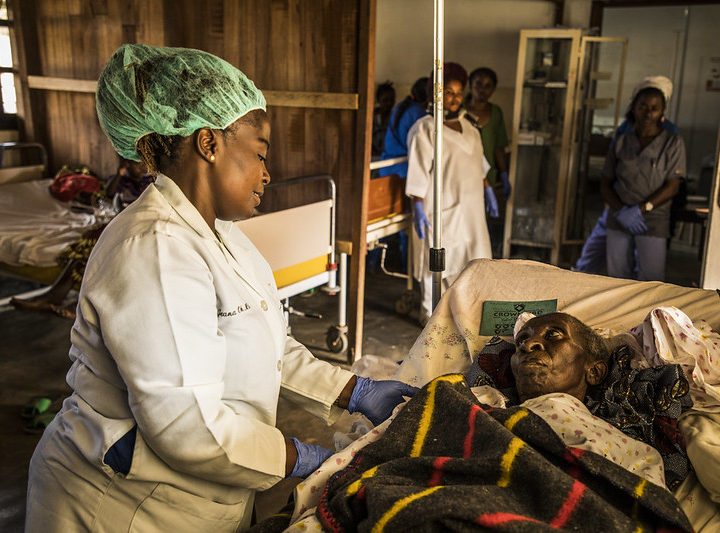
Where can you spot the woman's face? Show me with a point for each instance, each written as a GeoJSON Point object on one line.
{"type": "Point", "coordinates": [452, 96]}
{"type": "Point", "coordinates": [481, 88]}
{"type": "Point", "coordinates": [648, 110]}
{"type": "Point", "coordinates": [240, 172]}
{"type": "Point", "coordinates": [549, 357]}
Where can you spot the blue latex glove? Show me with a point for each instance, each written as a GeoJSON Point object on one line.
{"type": "Point", "coordinates": [310, 457]}
{"type": "Point", "coordinates": [420, 221]}
{"type": "Point", "coordinates": [505, 180]}
{"type": "Point", "coordinates": [631, 219]}
{"type": "Point", "coordinates": [377, 399]}
{"type": "Point", "coordinates": [491, 203]}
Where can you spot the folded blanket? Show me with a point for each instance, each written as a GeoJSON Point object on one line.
{"type": "Point", "coordinates": [493, 468]}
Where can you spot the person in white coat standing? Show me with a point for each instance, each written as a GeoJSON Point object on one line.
{"type": "Point", "coordinates": [179, 350]}
{"type": "Point", "coordinates": [466, 192]}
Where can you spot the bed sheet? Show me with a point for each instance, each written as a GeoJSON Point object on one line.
{"type": "Point", "coordinates": [34, 226]}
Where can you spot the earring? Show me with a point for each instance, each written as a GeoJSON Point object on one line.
{"type": "Point", "coordinates": [212, 158]}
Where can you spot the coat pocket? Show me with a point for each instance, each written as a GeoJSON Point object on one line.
{"type": "Point", "coordinates": [170, 509]}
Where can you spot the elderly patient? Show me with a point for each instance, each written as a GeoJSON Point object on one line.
{"type": "Point", "coordinates": [471, 460]}
{"type": "Point", "coordinates": [558, 353]}
{"type": "Point", "coordinates": [589, 395]}
{"type": "Point", "coordinates": [557, 371]}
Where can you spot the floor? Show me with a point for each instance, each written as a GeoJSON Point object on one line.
{"type": "Point", "coordinates": [33, 362]}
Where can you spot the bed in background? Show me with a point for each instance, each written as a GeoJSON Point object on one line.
{"type": "Point", "coordinates": [34, 226]}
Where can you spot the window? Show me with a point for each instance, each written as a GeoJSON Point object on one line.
{"type": "Point", "coordinates": [8, 101]}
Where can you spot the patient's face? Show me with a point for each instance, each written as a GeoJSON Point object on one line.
{"type": "Point", "coordinates": [549, 358]}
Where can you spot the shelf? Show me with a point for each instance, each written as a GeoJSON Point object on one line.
{"type": "Point", "coordinates": [536, 138]}
{"type": "Point", "coordinates": [561, 81]}
{"type": "Point", "coordinates": [532, 244]}
{"type": "Point", "coordinates": [545, 84]}
{"type": "Point", "coordinates": [528, 144]}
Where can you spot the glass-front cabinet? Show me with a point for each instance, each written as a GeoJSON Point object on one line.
{"type": "Point", "coordinates": [555, 100]}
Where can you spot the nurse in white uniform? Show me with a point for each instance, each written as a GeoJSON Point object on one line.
{"type": "Point", "coordinates": [466, 192]}
{"type": "Point", "coordinates": [179, 351]}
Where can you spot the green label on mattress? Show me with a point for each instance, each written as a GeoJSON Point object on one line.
{"type": "Point", "coordinates": [498, 318]}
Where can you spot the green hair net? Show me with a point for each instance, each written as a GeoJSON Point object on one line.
{"type": "Point", "coordinates": [170, 91]}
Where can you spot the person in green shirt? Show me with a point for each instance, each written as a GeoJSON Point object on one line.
{"type": "Point", "coordinates": [488, 119]}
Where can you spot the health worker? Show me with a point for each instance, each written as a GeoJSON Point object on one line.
{"type": "Point", "coordinates": [179, 349]}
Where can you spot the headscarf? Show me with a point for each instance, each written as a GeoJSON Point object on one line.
{"type": "Point", "coordinates": [170, 91]}
{"type": "Point", "coordinates": [662, 83]}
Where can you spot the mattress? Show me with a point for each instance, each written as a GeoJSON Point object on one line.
{"type": "Point", "coordinates": [34, 226]}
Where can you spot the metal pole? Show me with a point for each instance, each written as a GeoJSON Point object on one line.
{"type": "Point", "coordinates": [332, 284]}
{"type": "Point", "coordinates": [437, 252]}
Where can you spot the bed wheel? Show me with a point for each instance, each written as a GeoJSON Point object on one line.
{"type": "Point", "coordinates": [337, 340]}
{"type": "Point", "coordinates": [404, 304]}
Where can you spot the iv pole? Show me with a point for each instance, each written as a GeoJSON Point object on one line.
{"type": "Point", "coordinates": [437, 252]}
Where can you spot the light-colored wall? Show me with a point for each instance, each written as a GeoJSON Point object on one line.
{"type": "Point", "coordinates": [676, 42]}
{"type": "Point", "coordinates": [699, 109]}
{"type": "Point", "coordinates": [577, 13]}
{"type": "Point", "coordinates": [477, 33]}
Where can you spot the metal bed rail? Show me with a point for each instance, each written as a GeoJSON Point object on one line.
{"type": "Point", "coordinates": [337, 335]}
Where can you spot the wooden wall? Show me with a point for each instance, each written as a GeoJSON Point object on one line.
{"type": "Point", "coordinates": [322, 46]}
{"type": "Point", "coordinates": [300, 45]}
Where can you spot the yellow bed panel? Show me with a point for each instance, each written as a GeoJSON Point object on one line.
{"type": "Point", "coordinates": [293, 274]}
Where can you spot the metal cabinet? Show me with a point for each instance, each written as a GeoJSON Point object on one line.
{"type": "Point", "coordinates": [567, 93]}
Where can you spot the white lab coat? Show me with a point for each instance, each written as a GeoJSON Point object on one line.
{"type": "Point", "coordinates": [184, 337]}
{"type": "Point", "coordinates": [464, 231]}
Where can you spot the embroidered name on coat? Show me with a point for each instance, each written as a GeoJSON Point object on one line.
{"type": "Point", "coordinates": [240, 309]}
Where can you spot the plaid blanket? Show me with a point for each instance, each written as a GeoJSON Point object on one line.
{"type": "Point", "coordinates": [449, 463]}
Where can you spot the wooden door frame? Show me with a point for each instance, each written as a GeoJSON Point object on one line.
{"type": "Point", "coordinates": [366, 84]}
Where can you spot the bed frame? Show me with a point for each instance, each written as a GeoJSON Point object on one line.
{"type": "Point", "coordinates": [299, 245]}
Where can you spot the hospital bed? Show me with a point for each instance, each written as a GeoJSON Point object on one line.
{"type": "Point", "coordinates": [455, 335]}
{"type": "Point", "coordinates": [299, 244]}
{"type": "Point", "coordinates": [387, 216]}
{"type": "Point", "coordinates": [34, 226]}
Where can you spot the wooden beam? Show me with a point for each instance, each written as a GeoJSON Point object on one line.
{"type": "Point", "coordinates": [274, 98]}
{"type": "Point", "coordinates": [313, 100]}
{"type": "Point", "coordinates": [48, 83]}
{"type": "Point", "coordinates": [361, 174]}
